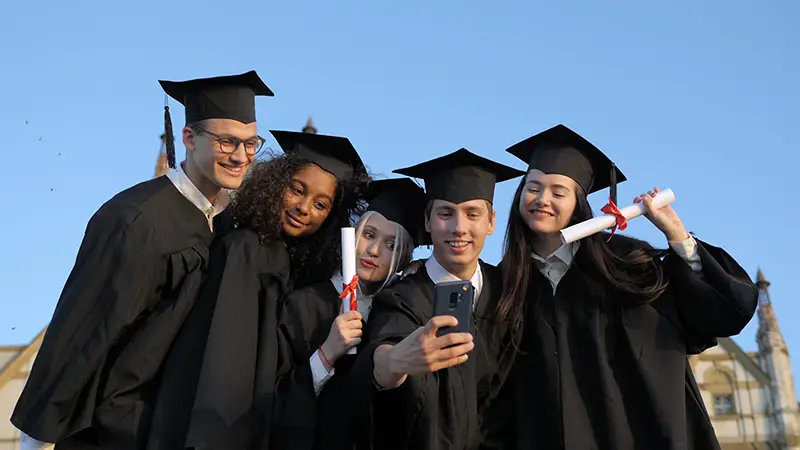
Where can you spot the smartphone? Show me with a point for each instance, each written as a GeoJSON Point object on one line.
{"type": "Point", "coordinates": [454, 298]}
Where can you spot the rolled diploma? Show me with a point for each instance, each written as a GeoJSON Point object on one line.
{"type": "Point", "coordinates": [600, 223]}
{"type": "Point", "coordinates": [348, 266]}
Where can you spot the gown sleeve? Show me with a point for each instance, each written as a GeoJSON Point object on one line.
{"type": "Point", "coordinates": [112, 282]}
{"type": "Point", "coordinates": [296, 398]}
{"type": "Point", "coordinates": [245, 283]}
{"type": "Point", "coordinates": [181, 372]}
{"type": "Point", "coordinates": [714, 302]}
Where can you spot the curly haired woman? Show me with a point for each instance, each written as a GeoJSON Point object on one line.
{"type": "Point", "coordinates": [219, 382]}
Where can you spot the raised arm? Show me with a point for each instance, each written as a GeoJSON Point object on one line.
{"type": "Point", "coordinates": [710, 295]}
{"type": "Point", "coordinates": [396, 367]}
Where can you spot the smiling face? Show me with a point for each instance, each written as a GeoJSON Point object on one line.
{"type": "Point", "coordinates": [307, 201]}
{"type": "Point", "coordinates": [375, 248]}
{"type": "Point", "coordinates": [547, 202]}
{"type": "Point", "coordinates": [459, 231]}
{"type": "Point", "coordinates": [215, 168]}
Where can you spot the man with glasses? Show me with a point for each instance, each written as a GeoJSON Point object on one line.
{"type": "Point", "coordinates": [136, 277]}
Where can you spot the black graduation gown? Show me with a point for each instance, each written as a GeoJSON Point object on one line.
{"type": "Point", "coordinates": [218, 383]}
{"type": "Point", "coordinates": [597, 375]}
{"type": "Point", "coordinates": [134, 281]}
{"type": "Point", "coordinates": [439, 411]}
{"type": "Point", "coordinates": [304, 420]}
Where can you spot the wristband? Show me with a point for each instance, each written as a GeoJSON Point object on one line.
{"type": "Point", "coordinates": [325, 358]}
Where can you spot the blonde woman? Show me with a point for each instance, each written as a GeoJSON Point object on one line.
{"type": "Point", "coordinates": [315, 335]}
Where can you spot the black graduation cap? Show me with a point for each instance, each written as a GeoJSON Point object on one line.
{"type": "Point", "coordinates": [334, 154]}
{"type": "Point", "coordinates": [461, 176]}
{"type": "Point", "coordinates": [562, 151]}
{"type": "Point", "coordinates": [400, 200]}
{"type": "Point", "coordinates": [224, 97]}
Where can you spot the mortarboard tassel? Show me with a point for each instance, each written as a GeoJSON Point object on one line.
{"type": "Point", "coordinates": [169, 139]}
{"type": "Point", "coordinates": [611, 207]}
{"type": "Point", "coordinates": [613, 178]}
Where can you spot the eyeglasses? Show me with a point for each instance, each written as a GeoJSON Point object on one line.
{"type": "Point", "coordinates": [230, 144]}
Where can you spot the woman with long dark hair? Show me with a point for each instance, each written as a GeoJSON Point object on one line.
{"type": "Point", "coordinates": [603, 326]}
{"type": "Point", "coordinates": [218, 386]}
{"type": "Point", "coordinates": [316, 335]}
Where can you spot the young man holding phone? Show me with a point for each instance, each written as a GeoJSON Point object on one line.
{"type": "Point", "coordinates": [430, 377]}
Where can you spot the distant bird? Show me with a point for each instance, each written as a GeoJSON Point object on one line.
{"type": "Point", "coordinates": [26, 122]}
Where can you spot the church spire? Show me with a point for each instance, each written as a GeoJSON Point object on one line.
{"type": "Point", "coordinates": [774, 359]}
{"type": "Point", "coordinates": [761, 280]}
{"type": "Point", "coordinates": [309, 128]}
{"type": "Point", "coordinates": [766, 315]}
{"type": "Point", "coordinates": [162, 165]}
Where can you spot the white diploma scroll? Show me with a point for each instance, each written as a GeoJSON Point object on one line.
{"type": "Point", "coordinates": [606, 221]}
{"type": "Point", "coordinates": [348, 267]}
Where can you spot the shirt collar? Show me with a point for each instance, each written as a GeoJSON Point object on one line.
{"type": "Point", "coordinates": [439, 274]}
{"type": "Point", "coordinates": [338, 282]}
{"type": "Point", "coordinates": [190, 191]}
{"type": "Point", "coordinates": [564, 254]}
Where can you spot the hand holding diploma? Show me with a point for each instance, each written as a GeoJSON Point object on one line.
{"type": "Point", "coordinates": [654, 205]}
{"type": "Point", "coordinates": [663, 217]}
{"type": "Point", "coordinates": [344, 336]}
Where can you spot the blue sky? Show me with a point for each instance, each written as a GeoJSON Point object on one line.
{"type": "Point", "coordinates": [700, 97]}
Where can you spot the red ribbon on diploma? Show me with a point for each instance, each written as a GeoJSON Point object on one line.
{"type": "Point", "coordinates": [350, 289]}
{"type": "Point", "coordinates": [621, 223]}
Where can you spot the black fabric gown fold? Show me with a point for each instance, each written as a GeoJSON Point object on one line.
{"type": "Point", "coordinates": [218, 383]}
{"type": "Point", "coordinates": [302, 419]}
{"type": "Point", "coordinates": [438, 411]}
{"type": "Point", "coordinates": [134, 281]}
{"type": "Point", "coordinates": [593, 374]}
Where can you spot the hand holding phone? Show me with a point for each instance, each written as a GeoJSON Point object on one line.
{"type": "Point", "coordinates": [423, 352]}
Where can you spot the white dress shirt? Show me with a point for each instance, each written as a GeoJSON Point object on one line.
{"type": "Point", "coordinates": [439, 274]}
{"type": "Point", "coordinates": [319, 373]}
{"type": "Point", "coordinates": [28, 443]}
{"type": "Point", "coordinates": [190, 191]}
{"type": "Point", "coordinates": [555, 266]}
